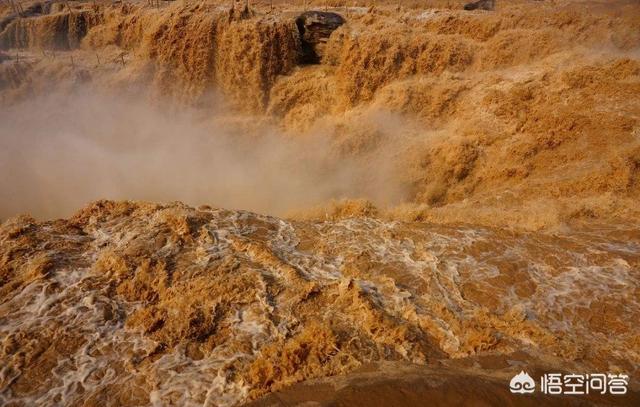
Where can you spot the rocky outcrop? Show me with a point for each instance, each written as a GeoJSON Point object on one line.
{"type": "Point", "coordinates": [315, 28]}
{"type": "Point", "coordinates": [481, 5]}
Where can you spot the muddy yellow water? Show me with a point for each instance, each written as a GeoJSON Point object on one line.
{"type": "Point", "coordinates": [442, 194]}
{"type": "Point", "coordinates": [142, 303]}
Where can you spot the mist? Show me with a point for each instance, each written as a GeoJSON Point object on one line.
{"type": "Point", "coordinates": [61, 151]}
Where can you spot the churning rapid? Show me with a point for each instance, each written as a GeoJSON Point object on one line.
{"type": "Point", "coordinates": [410, 196]}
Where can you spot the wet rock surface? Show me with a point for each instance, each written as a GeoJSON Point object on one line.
{"type": "Point", "coordinates": [315, 28]}
{"type": "Point", "coordinates": [488, 5]}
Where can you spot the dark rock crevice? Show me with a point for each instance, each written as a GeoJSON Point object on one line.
{"type": "Point", "coordinates": [488, 5]}
{"type": "Point", "coordinates": [315, 28]}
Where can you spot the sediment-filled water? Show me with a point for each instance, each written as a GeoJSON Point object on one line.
{"type": "Point", "coordinates": [194, 214]}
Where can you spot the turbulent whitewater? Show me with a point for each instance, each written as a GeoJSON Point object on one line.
{"type": "Point", "coordinates": [201, 207]}
{"type": "Point", "coordinates": [139, 303]}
